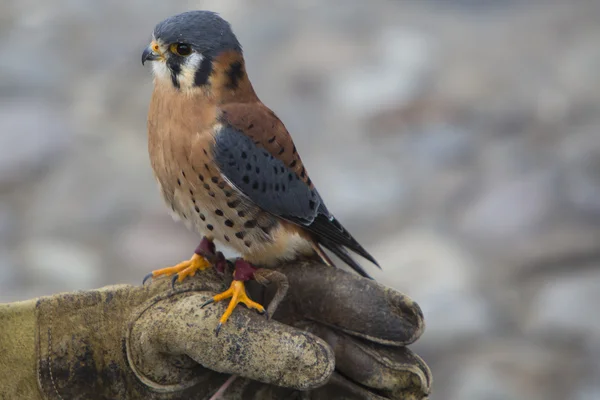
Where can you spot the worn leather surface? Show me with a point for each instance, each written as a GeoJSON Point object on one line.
{"type": "Point", "coordinates": [334, 336]}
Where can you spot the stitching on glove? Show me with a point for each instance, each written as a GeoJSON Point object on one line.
{"type": "Point", "coordinates": [51, 317]}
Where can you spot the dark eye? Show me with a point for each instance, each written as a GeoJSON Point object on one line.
{"type": "Point", "coordinates": [181, 49]}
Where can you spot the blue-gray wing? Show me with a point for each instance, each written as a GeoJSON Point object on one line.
{"type": "Point", "coordinates": [264, 179]}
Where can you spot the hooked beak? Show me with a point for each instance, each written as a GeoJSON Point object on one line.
{"type": "Point", "coordinates": [150, 55]}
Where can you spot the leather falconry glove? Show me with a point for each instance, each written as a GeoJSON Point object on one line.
{"type": "Point", "coordinates": [333, 336]}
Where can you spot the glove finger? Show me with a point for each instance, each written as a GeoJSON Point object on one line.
{"type": "Point", "coordinates": [356, 305]}
{"type": "Point", "coordinates": [339, 387]}
{"type": "Point", "coordinates": [394, 372]}
{"type": "Point", "coordinates": [248, 344]}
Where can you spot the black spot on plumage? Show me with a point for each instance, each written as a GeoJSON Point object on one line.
{"type": "Point", "coordinates": [235, 72]}
{"type": "Point", "coordinates": [282, 169]}
{"type": "Point", "coordinates": [221, 185]}
{"type": "Point", "coordinates": [183, 173]}
{"type": "Point", "coordinates": [210, 227]}
{"type": "Point", "coordinates": [264, 187]}
{"type": "Point", "coordinates": [293, 164]}
{"type": "Point", "coordinates": [211, 193]}
{"type": "Point", "coordinates": [246, 179]}
{"type": "Point", "coordinates": [272, 139]}
{"type": "Point", "coordinates": [244, 155]}
{"type": "Point", "coordinates": [308, 181]}
{"type": "Point", "coordinates": [311, 204]}
{"type": "Point", "coordinates": [266, 229]}
{"type": "Point", "coordinates": [206, 186]}
{"type": "Point", "coordinates": [205, 152]}
{"type": "Point", "coordinates": [275, 170]}
{"type": "Point", "coordinates": [255, 185]}
{"type": "Point", "coordinates": [229, 223]}
{"type": "Point", "coordinates": [202, 217]}
{"type": "Point", "coordinates": [241, 213]}
{"type": "Point", "coordinates": [228, 194]}
{"type": "Point", "coordinates": [191, 192]}
{"type": "Point", "coordinates": [197, 209]}
{"type": "Point", "coordinates": [214, 179]}
{"type": "Point", "coordinates": [234, 203]}
{"type": "Point", "coordinates": [201, 177]}
{"type": "Point", "coordinates": [226, 238]}
{"type": "Point", "coordinates": [250, 224]}
{"type": "Point", "coordinates": [250, 126]}
{"type": "Point", "coordinates": [206, 167]}
{"type": "Point", "coordinates": [240, 235]}
{"type": "Point", "coordinates": [203, 72]}
{"type": "Point", "coordinates": [257, 170]}
{"type": "Point", "coordinates": [277, 187]}
{"type": "Point", "coordinates": [281, 151]}
{"type": "Point", "coordinates": [178, 182]}
{"type": "Point", "coordinates": [290, 177]}
{"type": "Point", "coordinates": [247, 243]}
{"type": "Point", "coordinates": [219, 212]}
{"type": "Point", "coordinates": [294, 150]}
{"type": "Point", "coordinates": [302, 173]}
{"type": "Point", "coordinates": [248, 167]}
{"type": "Point", "coordinates": [282, 187]}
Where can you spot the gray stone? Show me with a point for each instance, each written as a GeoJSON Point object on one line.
{"type": "Point", "coordinates": [392, 76]}
{"type": "Point", "coordinates": [440, 277]}
{"type": "Point", "coordinates": [566, 305]}
{"type": "Point", "coordinates": [513, 370]}
{"type": "Point", "coordinates": [581, 171]}
{"type": "Point", "coordinates": [510, 210]}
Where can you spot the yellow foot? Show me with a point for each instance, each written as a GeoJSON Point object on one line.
{"type": "Point", "coordinates": [237, 293]}
{"type": "Point", "coordinates": [183, 269]}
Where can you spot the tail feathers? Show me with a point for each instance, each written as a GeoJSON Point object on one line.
{"type": "Point", "coordinates": [343, 254]}
{"type": "Point", "coordinates": [332, 231]}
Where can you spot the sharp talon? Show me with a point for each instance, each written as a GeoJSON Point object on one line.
{"type": "Point", "coordinates": [173, 280]}
{"type": "Point", "coordinates": [146, 278]}
{"type": "Point", "coordinates": [219, 325]}
{"type": "Point", "coordinates": [207, 302]}
{"type": "Point", "coordinates": [183, 269]}
{"type": "Point", "coordinates": [237, 294]}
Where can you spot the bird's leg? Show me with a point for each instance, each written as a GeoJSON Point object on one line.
{"type": "Point", "coordinates": [243, 272]}
{"type": "Point", "coordinates": [204, 256]}
{"type": "Point", "coordinates": [266, 277]}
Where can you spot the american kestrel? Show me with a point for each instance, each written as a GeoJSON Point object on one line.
{"type": "Point", "coordinates": [224, 162]}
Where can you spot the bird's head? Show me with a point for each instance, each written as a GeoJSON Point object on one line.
{"type": "Point", "coordinates": [188, 50]}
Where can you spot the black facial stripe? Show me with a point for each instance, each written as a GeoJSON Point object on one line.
{"type": "Point", "coordinates": [235, 72]}
{"type": "Point", "coordinates": [203, 72]}
{"type": "Point", "coordinates": [175, 68]}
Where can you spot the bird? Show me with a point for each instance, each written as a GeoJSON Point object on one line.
{"type": "Point", "coordinates": [225, 163]}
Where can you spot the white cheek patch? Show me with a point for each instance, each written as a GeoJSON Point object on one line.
{"type": "Point", "coordinates": [160, 70]}
{"type": "Point", "coordinates": [188, 70]}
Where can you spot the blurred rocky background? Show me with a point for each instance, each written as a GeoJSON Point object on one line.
{"type": "Point", "coordinates": [458, 139]}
